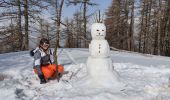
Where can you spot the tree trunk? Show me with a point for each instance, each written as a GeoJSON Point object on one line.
{"type": "Point", "coordinates": [131, 29]}
{"type": "Point", "coordinates": [26, 41]}
{"type": "Point", "coordinates": [19, 25]}
{"type": "Point", "coordinates": [58, 22]}
{"type": "Point", "coordinates": [145, 26]}
{"type": "Point", "coordinates": [141, 29]}
{"type": "Point", "coordinates": [85, 22]}
{"type": "Point", "coordinates": [126, 25]}
{"type": "Point", "coordinates": [159, 27]}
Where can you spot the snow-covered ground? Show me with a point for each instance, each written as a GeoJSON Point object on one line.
{"type": "Point", "coordinates": [146, 76]}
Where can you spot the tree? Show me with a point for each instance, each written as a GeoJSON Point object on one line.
{"type": "Point", "coordinates": [26, 40]}
{"type": "Point", "coordinates": [22, 13]}
{"type": "Point", "coordinates": [58, 4]}
{"type": "Point", "coordinates": [120, 32]}
{"type": "Point", "coordinates": [13, 18]}
{"type": "Point", "coordinates": [131, 27]}
{"type": "Point", "coordinates": [20, 24]}
{"type": "Point", "coordinates": [85, 4]}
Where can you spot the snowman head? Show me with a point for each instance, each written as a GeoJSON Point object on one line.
{"type": "Point", "coordinates": [98, 31]}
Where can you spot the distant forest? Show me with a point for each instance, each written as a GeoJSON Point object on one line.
{"type": "Point", "coordinates": [133, 25]}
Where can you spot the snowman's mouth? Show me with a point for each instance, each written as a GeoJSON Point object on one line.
{"type": "Point", "coordinates": [99, 35]}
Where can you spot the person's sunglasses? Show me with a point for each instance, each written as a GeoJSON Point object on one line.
{"type": "Point", "coordinates": [45, 45]}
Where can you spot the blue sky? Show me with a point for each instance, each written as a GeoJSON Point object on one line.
{"type": "Point", "coordinates": [102, 5]}
{"type": "Point", "coordinates": [68, 11]}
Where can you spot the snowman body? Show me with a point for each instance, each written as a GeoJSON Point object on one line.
{"type": "Point", "coordinates": [100, 71]}
{"type": "Point", "coordinates": [99, 48]}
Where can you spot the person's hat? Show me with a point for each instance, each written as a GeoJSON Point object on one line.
{"type": "Point", "coordinates": [44, 41]}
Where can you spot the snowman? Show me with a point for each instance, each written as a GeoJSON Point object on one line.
{"type": "Point", "coordinates": [100, 71]}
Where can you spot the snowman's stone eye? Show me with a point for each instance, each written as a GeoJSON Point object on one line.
{"type": "Point", "coordinates": [102, 30]}
{"type": "Point", "coordinates": [97, 30]}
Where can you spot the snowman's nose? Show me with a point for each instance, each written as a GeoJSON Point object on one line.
{"type": "Point", "coordinates": [99, 33]}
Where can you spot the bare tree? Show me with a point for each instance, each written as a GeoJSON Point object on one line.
{"type": "Point", "coordinates": [78, 27]}
{"type": "Point", "coordinates": [85, 4]}
{"type": "Point", "coordinates": [131, 27]}
{"type": "Point", "coordinates": [58, 4]}
{"type": "Point", "coordinates": [22, 12]}
{"type": "Point", "coordinates": [25, 41]}
{"type": "Point", "coordinates": [14, 20]}
{"type": "Point", "coordinates": [20, 24]}
{"type": "Point", "coordinates": [117, 18]}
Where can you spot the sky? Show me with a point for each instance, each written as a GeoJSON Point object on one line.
{"type": "Point", "coordinates": [102, 5]}
{"type": "Point", "coordinates": [68, 11]}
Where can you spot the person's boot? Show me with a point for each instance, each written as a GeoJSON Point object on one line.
{"type": "Point", "coordinates": [42, 79]}
{"type": "Point", "coordinates": [60, 75]}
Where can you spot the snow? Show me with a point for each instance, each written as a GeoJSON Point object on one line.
{"type": "Point", "coordinates": [146, 76]}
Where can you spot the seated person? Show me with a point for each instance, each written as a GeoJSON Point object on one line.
{"type": "Point", "coordinates": [44, 65]}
